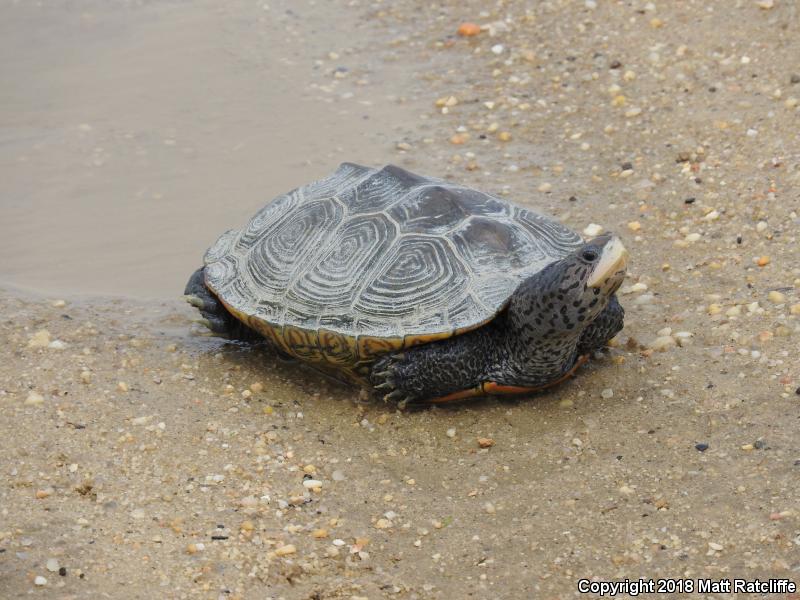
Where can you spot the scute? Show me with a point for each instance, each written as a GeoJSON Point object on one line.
{"type": "Point", "coordinates": [369, 261]}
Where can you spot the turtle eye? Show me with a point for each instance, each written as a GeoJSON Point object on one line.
{"type": "Point", "coordinates": [589, 255]}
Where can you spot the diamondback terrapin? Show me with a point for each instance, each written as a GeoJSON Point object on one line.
{"type": "Point", "coordinates": [426, 290]}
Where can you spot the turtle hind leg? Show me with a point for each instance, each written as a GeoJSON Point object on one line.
{"type": "Point", "coordinates": [607, 324]}
{"type": "Point", "coordinates": [215, 316]}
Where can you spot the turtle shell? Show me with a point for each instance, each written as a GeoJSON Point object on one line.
{"type": "Point", "coordinates": [370, 261]}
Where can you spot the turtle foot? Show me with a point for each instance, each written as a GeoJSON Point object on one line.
{"type": "Point", "coordinates": [387, 379]}
{"type": "Point", "coordinates": [214, 315]}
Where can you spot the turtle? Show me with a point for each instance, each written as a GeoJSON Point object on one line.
{"type": "Point", "coordinates": [425, 290]}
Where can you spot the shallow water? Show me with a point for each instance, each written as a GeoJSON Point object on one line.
{"type": "Point", "coordinates": [133, 134]}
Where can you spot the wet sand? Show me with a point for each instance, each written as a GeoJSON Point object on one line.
{"type": "Point", "coordinates": [145, 459]}
{"type": "Point", "coordinates": [132, 135]}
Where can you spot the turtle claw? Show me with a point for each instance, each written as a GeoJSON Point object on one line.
{"type": "Point", "coordinates": [195, 301]}
{"type": "Point", "coordinates": [384, 386]}
{"type": "Point", "coordinates": [394, 396]}
{"type": "Point", "coordinates": [202, 321]}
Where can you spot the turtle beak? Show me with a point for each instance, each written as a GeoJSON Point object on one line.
{"type": "Point", "coordinates": [613, 261]}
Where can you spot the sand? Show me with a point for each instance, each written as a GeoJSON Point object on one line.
{"type": "Point", "coordinates": [146, 459]}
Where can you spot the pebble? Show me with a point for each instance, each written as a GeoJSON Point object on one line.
{"type": "Point", "coordinates": [795, 309]}
{"type": "Point", "coordinates": [451, 433]}
{"type": "Point", "coordinates": [663, 343]}
{"type": "Point", "coordinates": [383, 524]}
{"type": "Point", "coordinates": [484, 442]}
{"type": "Point", "coordinates": [489, 508]}
{"type": "Point", "coordinates": [607, 393]}
{"type": "Point", "coordinates": [498, 49]}
{"type": "Point", "coordinates": [311, 484]}
{"type": "Point", "coordinates": [59, 304]}
{"type": "Point", "coordinates": [40, 339]}
{"type": "Point", "coordinates": [702, 447]}
{"type": "Point", "coordinates": [122, 386]}
{"type": "Point", "coordinates": [593, 229]}
{"type": "Point", "coordinates": [285, 550]}
{"type": "Point", "coordinates": [34, 399]}
{"type": "Point", "coordinates": [468, 29]}
{"type": "Point", "coordinates": [776, 297]}
{"type": "Point", "coordinates": [52, 565]}
{"type": "Point", "coordinates": [338, 476]}
{"type": "Point", "coordinates": [763, 261]}
{"type": "Point", "coordinates": [39, 580]}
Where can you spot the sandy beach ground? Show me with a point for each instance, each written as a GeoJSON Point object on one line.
{"type": "Point", "coordinates": [144, 459]}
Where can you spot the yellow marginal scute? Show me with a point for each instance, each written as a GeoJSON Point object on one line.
{"type": "Point", "coordinates": [302, 343]}
{"type": "Point", "coordinates": [337, 348]}
{"type": "Point", "coordinates": [371, 347]}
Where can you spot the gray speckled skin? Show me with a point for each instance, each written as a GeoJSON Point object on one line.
{"type": "Point", "coordinates": [551, 318]}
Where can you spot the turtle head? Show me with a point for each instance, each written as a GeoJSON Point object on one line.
{"type": "Point", "coordinates": [566, 296]}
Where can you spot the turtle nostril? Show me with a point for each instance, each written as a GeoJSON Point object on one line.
{"type": "Point", "coordinates": [589, 255]}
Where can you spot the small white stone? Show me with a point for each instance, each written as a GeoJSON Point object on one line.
{"type": "Point", "coordinates": [337, 476]}
{"type": "Point", "coordinates": [498, 48]}
{"type": "Point", "coordinates": [310, 484]}
{"type": "Point", "coordinates": [752, 132]}
{"type": "Point", "coordinates": [593, 229]}
{"type": "Point", "coordinates": [644, 299]}
{"type": "Point", "coordinates": [607, 393]}
{"type": "Point", "coordinates": [338, 542]}
{"type": "Point", "coordinates": [639, 287]}
{"type": "Point", "coordinates": [34, 399]}
{"type": "Point", "coordinates": [663, 343]}
{"type": "Point", "coordinates": [52, 565]}
{"type": "Point", "coordinates": [761, 226]}
{"type": "Point", "coordinates": [715, 546]}
{"type": "Point", "coordinates": [57, 345]}
{"type": "Point", "coordinates": [451, 433]}
{"type": "Point", "coordinates": [40, 580]}
{"type": "Point", "coordinates": [693, 237]}
{"type": "Point", "coordinates": [665, 331]}
{"type": "Point", "coordinates": [137, 513]}
{"type": "Point", "coordinates": [489, 508]}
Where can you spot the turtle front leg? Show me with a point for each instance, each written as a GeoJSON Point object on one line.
{"type": "Point", "coordinates": [435, 370]}
{"type": "Point", "coordinates": [214, 315]}
{"type": "Point", "coordinates": [607, 324]}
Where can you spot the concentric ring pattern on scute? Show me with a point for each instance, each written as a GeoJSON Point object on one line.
{"type": "Point", "coordinates": [382, 253]}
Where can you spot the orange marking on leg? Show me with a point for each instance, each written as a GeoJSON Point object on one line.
{"type": "Point", "coordinates": [476, 391]}
{"type": "Point", "coordinates": [491, 387]}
